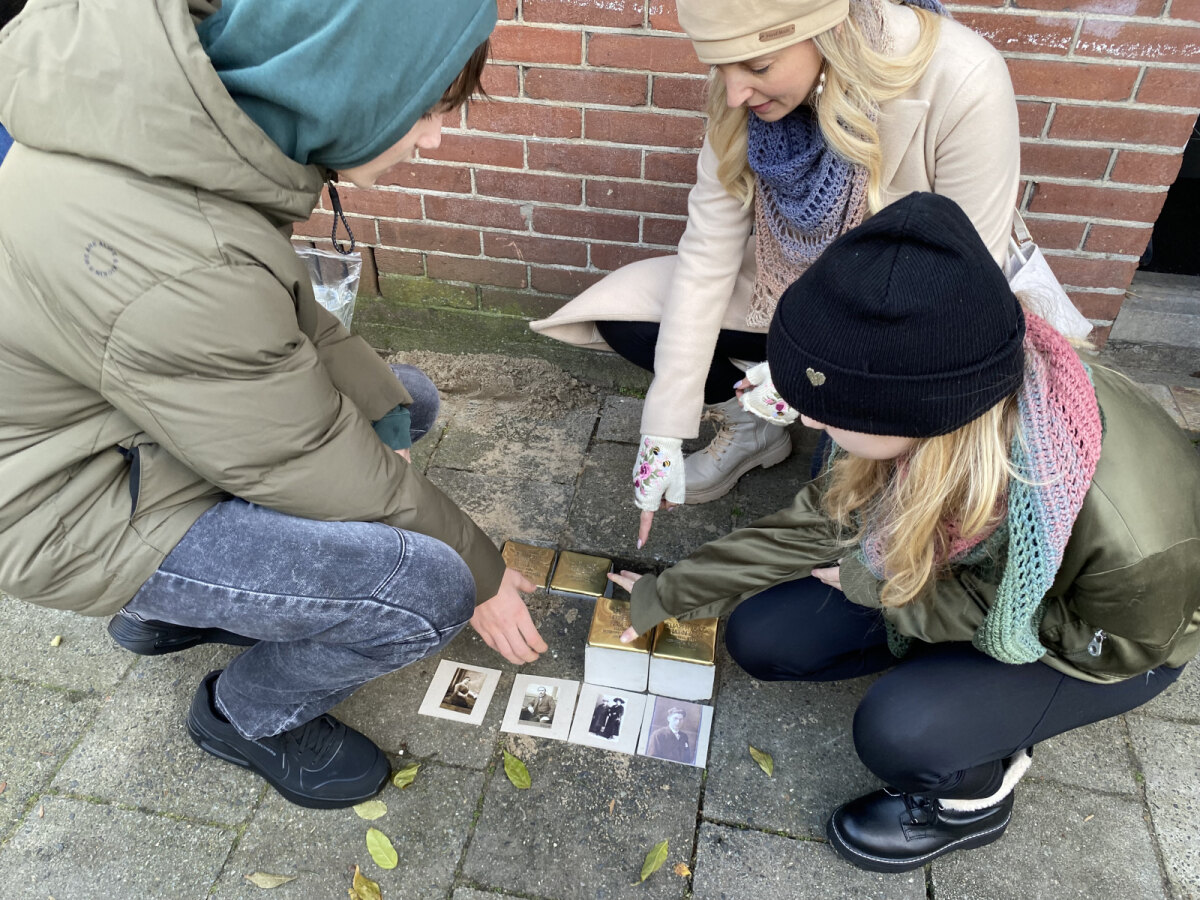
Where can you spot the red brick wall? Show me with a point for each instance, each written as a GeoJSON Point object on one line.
{"type": "Point", "coordinates": [583, 159]}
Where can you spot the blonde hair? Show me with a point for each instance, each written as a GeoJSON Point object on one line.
{"type": "Point", "coordinates": [857, 80]}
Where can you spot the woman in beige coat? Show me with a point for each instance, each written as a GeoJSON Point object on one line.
{"type": "Point", "coordinates": [821, 112]}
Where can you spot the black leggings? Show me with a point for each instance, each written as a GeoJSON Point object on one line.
{"type": "Point", "coordinates": [945, 717]}
{"type": "Point", "coordinates": [636, 342]}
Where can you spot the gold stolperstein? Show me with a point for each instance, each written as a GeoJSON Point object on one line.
{"type": "Point", "coordinates": [577, 573]}
{"type": "Point", "coordinates": [694, 641]}
{"type": "Point", "coordinates": [610, 618]}
{"type": "Point", "coordinates": [532, 562]}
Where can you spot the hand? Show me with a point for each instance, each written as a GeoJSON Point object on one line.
{"type": "Point", "coordinates": [625, 579]}
{"type": "Point", "coordinates": [762, 399]}
{"type": "Point", "coordinates": [407, 454]}
{"type": "Point", "coordinates": [504, 622]}
{"type": "Point", "coordinates": [831, 576]}
{"type": "Point", "coordinates": [658, 480]}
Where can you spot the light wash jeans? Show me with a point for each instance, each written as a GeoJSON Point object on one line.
{"type": "Point", "coordinates": [332, 604]}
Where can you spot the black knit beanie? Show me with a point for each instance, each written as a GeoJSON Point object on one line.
{"type": "Point", "coordinates": [904, 326]}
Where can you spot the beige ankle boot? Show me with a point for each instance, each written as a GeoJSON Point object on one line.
{"type": "Point", "coordinates": [742, 442]}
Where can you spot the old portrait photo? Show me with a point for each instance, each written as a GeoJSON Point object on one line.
{"type": "Point", "coordinates": [676, 730]}
{"type": "Point", "coordinates": [608, 718]}
{"type": "Point", "coordinates": [541, 707]}
{"type": "Point", "coordinates": [460, 692]}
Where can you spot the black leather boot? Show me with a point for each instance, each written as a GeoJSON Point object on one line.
{"type": "Point", "coordinates": [148, 637]}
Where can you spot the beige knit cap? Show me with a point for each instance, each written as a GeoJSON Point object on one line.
{"type": "Point", "coordinates": [725, 31]}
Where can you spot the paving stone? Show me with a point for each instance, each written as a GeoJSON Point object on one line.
{"type": "Point", "coordinates": [139, 753]}
{"type": "Point", "coordinates": [87, 850]}
{"type": "Point", "coordinates": [1095, 757]}
{"type": "Point", "coordinates": [517, 508]}
{"type": "Point", "coordinates": [737, 864]}
{"type": "Point", "coordinates": [1054, 851]}
{"type": "Point", "coordinates": [1180, 701]}
{"type": "Point", "coordinates": [485, 437]}
{"type": "Point", "coordinates": [620, 420]}
{"type": "Point", "coordinates": [424, 449]}
{"type": "Point", "coordinates": [427, 822]}
{"type": "Point", "coordinates": [806, 729]}
{"type": "Point", "coordinates": [1188, 400]}
{"type": "Point", "coordinates": [87, 658]}
{"type": "Point", "coordinates": [1162, 396]}
{"type": "Point", "coordinates": [38, 726]}
{"type": "Point", "coordinates": [472, 894]}
{"type": "Point", "coordinates": [764, 491]}
{"type": "Point", "coordinates": [559, 838]}
{"type": "Point", "coordinates": [1168, 753]}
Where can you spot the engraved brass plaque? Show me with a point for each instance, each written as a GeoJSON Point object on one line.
{"type": "Point", "coordinates": [577, 573]}
{"type": "Point", "coordinates": [532, 562]}
{"type": "Point", "coordinates": [693, 642]}
{"type": "Point", "coordinates": [610, 618]}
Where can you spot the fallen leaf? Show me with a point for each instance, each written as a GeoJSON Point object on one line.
{"type": "Point", "coordinates": [654, 860]}
{"type": "Point", "coordinates": [370, 810]}
{"type": "Point", "coordinates": [516, 771]}
{"type": "Point", "coordinates": [381, 849]}
{"type": "Point", "coordinates": [405, 776]}
{"type": "Point", "coordinates": [682, 870]}
{"type": "Point", "coordinates": [267, 880]}
{"type": "Point", "coordinates": [1089, 818]}
{"type": "Point", "coordinates": [764, 760]}
{"type": "Point", "coordinates": [612, 804]}
{"type": "Point", "coordinates": [56, 640]}
{"type": "Point", "coordinates": [41, 812]}
{"type": "Point", "coordinates": [363, 888]}
{"type": "Point", "coordinates": [3, 786]}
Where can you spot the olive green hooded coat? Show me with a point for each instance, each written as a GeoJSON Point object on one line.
{"type": "Point", "coordinates": [161, 349]}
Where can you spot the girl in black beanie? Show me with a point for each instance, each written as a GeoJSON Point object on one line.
{"type": "Point", "coordinates": [1012, 533]}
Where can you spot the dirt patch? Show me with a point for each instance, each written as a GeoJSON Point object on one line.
{"type": "Point", "coordinates": [529, 386]}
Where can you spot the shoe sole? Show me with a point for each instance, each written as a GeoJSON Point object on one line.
{"type": "Point", "coordinates": [725, 485]}
{"type": "Point", "coordinates": [222, 750]}
{"type": "Point", "coordinates": [881, 864]}
{"type": "Point", "coordinates": [137, 637]}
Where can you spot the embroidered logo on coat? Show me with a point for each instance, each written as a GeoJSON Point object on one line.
{"type": "Point", "coordinates": [100, 258]}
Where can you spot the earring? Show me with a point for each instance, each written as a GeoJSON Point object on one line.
{"type": "Point", "coordinates": [820, 88]}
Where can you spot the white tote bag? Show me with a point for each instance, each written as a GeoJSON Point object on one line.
{"type": "Point", "coordinates": [1030, 275]}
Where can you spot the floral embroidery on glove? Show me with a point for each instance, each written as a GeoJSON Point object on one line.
{"type": "Point", "coordinates": [764, 401]}
{"type": "Point", "coordinates": [658, 472]}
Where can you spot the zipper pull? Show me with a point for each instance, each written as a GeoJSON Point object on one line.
{"type": "Point", "coordinates": [1097, 643]}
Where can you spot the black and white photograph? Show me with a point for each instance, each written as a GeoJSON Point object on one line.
{"type": "Point", "coordinates": [541, 707]}
{"type": "Point", "coordinates": [676, 730]}
{"type": "Point", "coordinates": [460, 692]}
{"type": "Point", "coordinates": [608, 718]}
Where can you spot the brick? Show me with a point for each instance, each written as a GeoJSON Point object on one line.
{"type": "Point", "coordinates": [678, 168]}
{"type": "Point", "coordinates": [958, 3]}
{"type": "Point", "coordinates": [368, 278]}
{"type": "Point", "coordinates": [663, 15]}
{"type": "Point", "coordinates": [585, 224]}
{"type": "Point", "coordinates": [1171, 87]}
{"type": "Point", "coordinates": [637, 195]}
{"type": "Point", "coordinates": [1011, 33]}
{"type": "Point", "coordinates": [482, 213]}
{"type": "Point", "coordinates": [596, 13]}
{"type": "Point", "coordinates": [423, 176]}
{"type": "Point", "coordinates": [476, 271]}
{"type": "Point", "coordinates": [1096, 305]}
{"type": "Point", "coordinates": [644, 128]}
{"type": "Point", "coordinates": [679, 93]}
{"type": "Point", "coordinates": [1099, 336]}
{"type": "Point", "coordinates": [320, 224]}
{"type": "Point", "coordinates": [613, 256]}
{"type": "Point", "coordinates": [1122, 125]}
{"type": "Point", "coordinates": [380, 203]}
{"type": "Point", "coordinates": [1133, 40]}
{"type": "Point", "coordinates": [507, 10]}
{"type": "Point", "coordinates": [1031, 117]}
{"type": "Point", "coordinates": [663, 231]}
{"type": "Point", "coordinates": [563, 281]}
{"type": "Point", "coordinates": [1124, 8]}
{"type": "Point", "coordinates": [471, 148]}
{"type": "Point", "coordinates": [644, 53]}
{"type": "Point", "coordinates": [1101, 202]}
{"type": "Point", "coordinates": [1064, 161]}
{"type": "Point", "coordinates": [531, 44]}
{"type": "Point", "coordinates": [585, 159]}
{"type": "Point", "coordinates": [512, 303]}
{"type": "Point", "coordinates": [586, 86]}
{"type": "Point", "coordinates": [523, 186]}
{"type": "Point", "coordinates": [423, 236]}
{"type": "Point", "coordinates": [534, 249]}
{"type": "Point", "coordinates": [1072, 80]}
{"type": "Point", "coordinates": [399, 262]}
{"type": "Point", "coordinates": [1123, 239]}
{"type": "Point", "coordinates": [526, 119]}
{"type": "Point", "coordinates": [1102, 273]}
{"type": "Point", "coordinates": [1146, 168]}
{"type": "Point", "coordinates": [1185, 10]}
{"type": "Point", "coordinates": [1056, 234]}
{"type": "Point", "coordinates": [501, 81]}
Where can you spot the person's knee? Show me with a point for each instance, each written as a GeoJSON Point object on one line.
{"type": "Point", "coordinates": [892, 734]}
{"type": "Point", "coordinates": [749, 647]}
{"type": "Point", "coordinates": [426, 401]}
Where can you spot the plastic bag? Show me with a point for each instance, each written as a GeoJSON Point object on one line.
{"type": "Point", "coordinates": [1030, 275]}
{"type": "Point", "coordinates": [335, 279]}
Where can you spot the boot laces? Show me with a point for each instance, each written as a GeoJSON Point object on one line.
{"type": "Point", "coordinates": [921, 810]}
{"type": "Point", "coordinates": [724, 436]}
{"type": "Point", "coordinates": [314, 741]}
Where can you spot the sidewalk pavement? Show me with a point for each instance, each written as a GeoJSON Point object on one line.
{"type": "Point", "coordinates": [105, 796]}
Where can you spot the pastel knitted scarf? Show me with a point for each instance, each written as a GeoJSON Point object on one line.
{"type": "Point", "coordinates": [1054, 454]}
{"type": "Point", "coordinates": [805, 194]}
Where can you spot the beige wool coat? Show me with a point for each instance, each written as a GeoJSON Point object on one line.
{"type": "Point", "coordinates": [954, 133]}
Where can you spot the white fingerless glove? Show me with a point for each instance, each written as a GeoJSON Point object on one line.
{"type": "Point", "coordinates": [764, 401]}
{"type": "Point", "coordinates": [658, 472]}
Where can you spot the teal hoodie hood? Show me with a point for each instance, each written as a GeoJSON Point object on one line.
{"type": "Point", "coordinates": [337, 83]}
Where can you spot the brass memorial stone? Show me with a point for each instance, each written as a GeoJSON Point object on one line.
{"type": "Point", "coordinates": [577, 573]}
{"type": "Point", "coordinates": [609, 620]}
{"type": "Point", "coordinates": [692, 642]}
{"type": "Point", "coordinates": [532, 562]}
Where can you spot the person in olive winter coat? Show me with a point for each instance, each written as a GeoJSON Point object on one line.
{"type": "Point", "coordinates": [187, 439]}
{"type": "Point", "coordinates": [1013, 533]}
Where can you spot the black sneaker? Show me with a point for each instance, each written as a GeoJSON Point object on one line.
{"type": "Point", "coordinates": [894, 832]}
{"type": "Point", "coordinates": [149, 637]}
{"type": "Point", "coordinates": [322, 764]}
